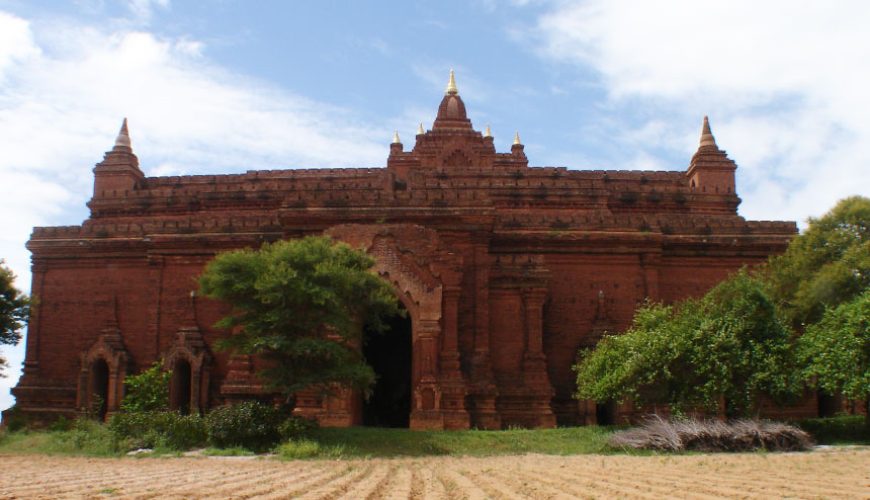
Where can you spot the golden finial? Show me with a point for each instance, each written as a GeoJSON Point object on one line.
{"type": "Point", "coordinates": [420, 130]}
{"type": "Point", "coordinates": [487, 132]}
{"type": "Point", "coordinates": [517, 138]}
{"type": "Point", "coordinates": [396, 137]}
{"type": "Point", "coordinates": [451, 85]}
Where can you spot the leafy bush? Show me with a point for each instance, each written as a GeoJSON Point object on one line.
{"type": "Point", "coordinates": [158, 429]}
{"type": "Point", "coordinates": [61, 424]}
{"type": "Point", "coordinates": [250, 424]}
{"type": "Point", "coordinates": [842, 429]}
{"type": "Point", "coordinates": [712, 435]}
{"type": "Point", "coordinates": [148, 391]}
{"type": "Point", "coordinates": [305, 448]}
{"type": "Point", "coordinates": [731, 342]}
{"type": "Point", "coordinates": [297, 427]}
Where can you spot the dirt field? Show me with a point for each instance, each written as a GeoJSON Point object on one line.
{"type": "Point", "coordinates": [835, 473]}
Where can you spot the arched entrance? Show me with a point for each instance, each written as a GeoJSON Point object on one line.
{"type": "Point", "coordinates": [98, 393]}
{"type": "Point", "coordinates": [179, 387]}
{"type": "Point", "coordinates": [390, 355]}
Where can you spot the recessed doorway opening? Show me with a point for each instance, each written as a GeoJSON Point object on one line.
{"type": "Point", "coordinates": [389, 354]}
{"type": "Point", "coordinates": [99, 389]}
{"type": "Point", "coordinates": [179, 387]}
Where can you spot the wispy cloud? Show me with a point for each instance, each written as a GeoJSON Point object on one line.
{"type": "Point", "coordinates": [143, 10]}
{"type": "Point", "coordinates": [784, 83]}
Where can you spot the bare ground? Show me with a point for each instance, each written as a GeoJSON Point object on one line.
{"type": "Point", "coordinates": [832, 473]}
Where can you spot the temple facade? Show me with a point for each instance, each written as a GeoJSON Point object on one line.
{"type": "Point", "coordinates": [505, 271]}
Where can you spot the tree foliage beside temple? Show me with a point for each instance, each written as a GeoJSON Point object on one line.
{"type": "Point", "coordinates": [729, 344]}
{"type": "Point", "coordinates": [804, 318]}
{"type": "Point", "coordinates": [14, 310]}
{"type": "Point", "coordinates": [301, 306]}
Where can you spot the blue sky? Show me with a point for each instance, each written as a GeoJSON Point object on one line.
{"type": "Point", "coordinates": [229, 85]}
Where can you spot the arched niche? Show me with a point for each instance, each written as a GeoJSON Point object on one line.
{"type": "Point", "coordinates": [101, 377]}
{"type": "Point", "coordinates": [190, 362]}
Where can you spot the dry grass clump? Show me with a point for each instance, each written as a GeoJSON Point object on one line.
{"type": "Point", "coordinates": [657, 433]}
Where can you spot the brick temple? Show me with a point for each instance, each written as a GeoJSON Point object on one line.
{"type": "Point", "coordinates": [505, 270]}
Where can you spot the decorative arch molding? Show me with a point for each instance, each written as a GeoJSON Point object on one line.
{"type": "Point", "coordinates": [424, 272]}
{"type": "Point", "coordinates": [190, 347]}
{"type": "Point", "coordinates": [109, 348]}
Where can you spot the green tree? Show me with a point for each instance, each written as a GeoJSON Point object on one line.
{"type": "Point", "coordinates": [827, 265]}
{"type": "Point", "coordinates": [731, 343]}
{"type": "Point", "coordinates": [835, 352]}
{"type": "Point", "coordinates": [147, 391]}
{"type": "Point", "coordinates": [301, 305]}
{"type": "Point", "coordinates": [14, 310]}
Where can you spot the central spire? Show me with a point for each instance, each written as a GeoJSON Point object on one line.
{"type": "Point", "coordinates": [451, 112]}
{"type": "Point", "coordinates": [451, 85]}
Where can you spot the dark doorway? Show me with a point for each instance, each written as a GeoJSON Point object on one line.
{"type": "Point", "coordinates": [99, 390]}
{"type": "Point", "coordinates": [179, 389]}
{"type": "Point", "coordinates": [829, 406]}
{"type": "Point", "coordinates": [605, 413]}
{"type": "Point", "coordinates": [389, 354]}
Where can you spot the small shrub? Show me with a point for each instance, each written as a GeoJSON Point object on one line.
{"type": "Point", "coordinates": [159, 429]}
{"type": "Point", "coordinates": [841, 429]}
{"type": "Point", "coordinates": [712, 436]}
{"type": "Point", "coordinates": [61, 424]}
{"type": "Point", "coordinates": [297, 427]}
{"type": "Point", "coordinates": [147, 391]}
{"type": "Point", "coordinates": [250, 424]}
{"type": "Point", "coordinates": [305, 448]}
{"type": "Point", "coordinates": [186, 432]}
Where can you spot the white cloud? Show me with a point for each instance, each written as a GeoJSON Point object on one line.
{"type": "Point", "coordinates": [784, 83]}
{"type": "Point", "coordinates": [65, 89]}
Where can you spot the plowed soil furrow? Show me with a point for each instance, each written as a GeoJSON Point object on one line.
{"type": "Point", "coordinates": [528, 486]}
{"type": "Point", "coordinates": [657, 481]}
{"type": "Point", "coordinates": [468, 488]}
{"type": "Point", "coordinates": [339, 484]}
{"type": "Point", "coordinates": [63, 479]}
{"type": "Point", "coordinates": [581, 482]}
{"type": "Point", "coordinates": [317, 476]}
{"type": "Point", "coordinates": [416, 483]}
{"type": "Point", "coordinates": [240, 488]}
{"type": "Point", "coordinates": [272, 478]}
{"type": "Point", "coordinates": [220, 480]}
{"type": "Point", "coordinates": [372, 485]}
{"type": "Point", "coordinates": [154, 477]}
{"type": "Point", "coordinates": [430, 487]}
{"type": "Point", "coordinates": [742, 482]}
{"type": "Point", "coordinates": [494, 488]}
{"type": "Point", "coordinates": [545, 485]}
{"type": "Point", "coordinates": [835, 473]}
{"type": "Point", "coordinates": [446, 484]}
{"type": "Point", "coordinates": [400, 486]}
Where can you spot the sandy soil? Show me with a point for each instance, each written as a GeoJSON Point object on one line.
{"type": "Point", "coordinates": [833, 473]}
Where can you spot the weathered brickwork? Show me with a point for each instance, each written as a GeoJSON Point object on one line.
{"type": "Point", "coordinates": [505, 270]}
